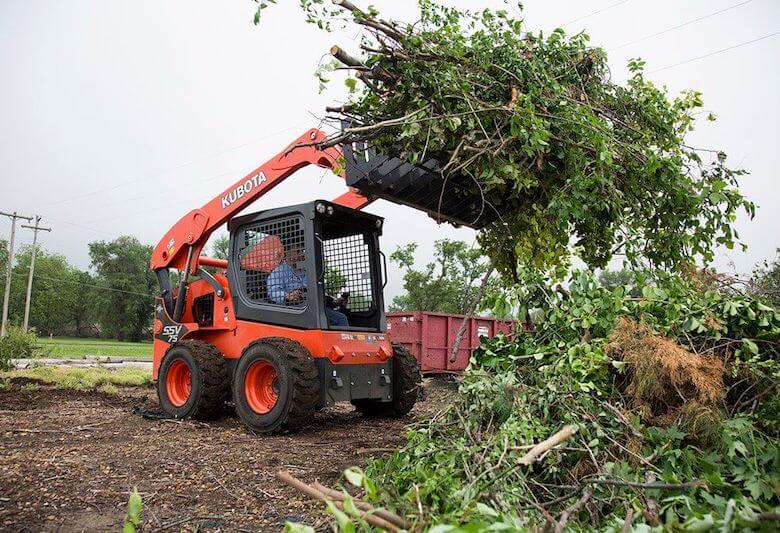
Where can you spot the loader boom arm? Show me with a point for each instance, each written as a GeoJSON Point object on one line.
{"type": "Point", "coordinates": [180, 248]}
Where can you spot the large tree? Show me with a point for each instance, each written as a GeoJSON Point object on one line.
{"type": "Point", "coordinates": [55, 291]}
{"type": "Point", "coordinates": [448, 284]}
{"type": "Point", "coordinates": [125, 305]}
{"type": "Point", "coordinates": [220, 247]}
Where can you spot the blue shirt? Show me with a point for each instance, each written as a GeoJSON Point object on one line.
{"type": "Point", "coordinates": [284, 279]}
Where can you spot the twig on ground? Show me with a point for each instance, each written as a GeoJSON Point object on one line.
{"type": "Point", "coordinates": [310, 491]}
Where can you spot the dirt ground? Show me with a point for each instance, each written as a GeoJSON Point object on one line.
{"type": "Point", "coordinates": [68, 460]}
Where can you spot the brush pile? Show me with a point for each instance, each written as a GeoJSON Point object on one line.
{"type": "Point", "coordinates": [562, 156]}
{"type": "Point", "coordinates": [673, 395]}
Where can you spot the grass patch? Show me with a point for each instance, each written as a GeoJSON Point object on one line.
{"type": "Point", "coordinates": [97, 378]}
{"type": "Point", "coordinates": [63, 347]}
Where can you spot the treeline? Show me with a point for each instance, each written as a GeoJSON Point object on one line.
{"type": "Point", "coordinates": [450, 281]}
{"type": "Point", "coordinates": [113, 299]}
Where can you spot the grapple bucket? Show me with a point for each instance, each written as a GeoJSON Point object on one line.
{"type": "Point", "coordinates": [456, 200]}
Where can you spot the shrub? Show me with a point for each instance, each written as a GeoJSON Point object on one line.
{"type": "Point", "coordinates": [18, 344]}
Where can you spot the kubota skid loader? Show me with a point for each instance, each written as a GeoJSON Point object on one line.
{"type": "Point", "coordinates": [294, 320]}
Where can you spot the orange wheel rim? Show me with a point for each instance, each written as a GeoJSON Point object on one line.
{"type": "Point", "coordinates": [178, 382]}
{"type": "Point", "coordinates": [261, 387]}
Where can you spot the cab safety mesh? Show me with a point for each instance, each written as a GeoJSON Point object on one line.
{"type": "Point", "coordinates": [272, 257]}
{"type": "Point", "coordinates": [348, 269]}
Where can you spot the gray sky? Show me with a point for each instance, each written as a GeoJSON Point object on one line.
{"type": "Point", "coordinates": [119, 117]}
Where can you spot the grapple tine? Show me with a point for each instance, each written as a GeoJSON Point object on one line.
{"type": "Point", "coordinates": [420, 186]}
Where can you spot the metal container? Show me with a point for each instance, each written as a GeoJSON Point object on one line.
{"type": "Point", "coordinates": [430, 337]}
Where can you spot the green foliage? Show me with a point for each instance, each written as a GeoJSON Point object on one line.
{"type": "Point", "coordinates": [448, 284]}
{"type": "Point", "coordinates": [220, 248]}
{"type": "Point", "coordinates": [134, 508]}
{"type": "Point", "coordinates": [91, 378]}
{"type": "Point", "coordinates": [74, 347]}
{"type": "Point", "coordinates": [17, 344]}
{"type": "Point", "coordinates": [766, 281]}
{"type": "Point", "coordinates": [463, 466]}
{"type": "Point", "coordinates": [57, 300]}
{"type": "Point", "coordinates": [125, 312]}
{"type": "Point", "coordinates": [335, 280]}
{"type": "Point", "coordinates": [533, 124]}
{"type": "Point", "coordinates": [609, 279]}
{"type": "Point", "coordinates": [3, 258]}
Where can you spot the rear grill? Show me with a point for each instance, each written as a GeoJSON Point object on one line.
{"type": "Point", "coordinates": [422, 187]}
{"type": "Point", "coordinates": [203, 310]}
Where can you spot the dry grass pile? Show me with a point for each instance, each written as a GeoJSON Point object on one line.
{"type": "Point", "coordinates": [668, 383]}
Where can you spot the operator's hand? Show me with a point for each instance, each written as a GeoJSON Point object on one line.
{"type": "Point", "coordinates": [293, 296]}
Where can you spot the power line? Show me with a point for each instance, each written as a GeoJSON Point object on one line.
{"type": "Point", "coordinates": [86, 285]}
{"type": "Point", "coordinates": [716, 52]}
{"type": "Point", "coordinates": [607, 8]}
{"type": "Point", "coordinates": [677, 27]}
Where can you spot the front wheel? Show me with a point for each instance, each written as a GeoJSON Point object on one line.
{"type": "Point", "coordinates": [192, 381]}
{"type": "Point", "coordinates": [406, 386]}
{"type": "Point", "coordinates": [275, 386]}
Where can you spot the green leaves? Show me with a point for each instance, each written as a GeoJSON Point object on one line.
{"type": "Point", "coordinates": [133, 516]}
{"type": "Point", "coordinates": [459, 467]}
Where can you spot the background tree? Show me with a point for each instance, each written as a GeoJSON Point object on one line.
{"type": "Point", "coordinates": [448, 284]}
{"type": "Point", "coordinates": [220, 248]}
{"type": "Point", "coordinates": [55, 291]}
{"type": "Point", "coordinates": [3, 258]}
{"type": "Point", "coordinates": [766, 281]}
{"type": "Point", "coordinates": [122, 265]}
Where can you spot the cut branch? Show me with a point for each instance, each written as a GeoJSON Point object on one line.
{"type": "Point", "coordinates": [345, 57]}
{"type": "Point", "coordinates": [470, 313]}
{"type": "Point", "coordinates": [310, 491]}
{"type": "Point", "coordinates": [562, 521]}
{"type": "Point", "coordinates": [337, 495]}
{"type": "Point", "coordinates": [531, 457]}
{"type": "Point", "coordinates": [636, 484]}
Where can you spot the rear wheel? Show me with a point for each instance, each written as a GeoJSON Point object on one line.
{"type": "Point", "coordinates": [192, 381]}
{"type": "Point", "coordinates": [275, 385]}
{"type": "Point", "coordinates": [406, 386]}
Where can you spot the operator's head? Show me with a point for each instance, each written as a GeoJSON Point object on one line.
{"type": "Point", "coordinates": [295, 252]}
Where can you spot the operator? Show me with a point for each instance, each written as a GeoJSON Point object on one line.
{"type": "Point", "coordinates": [287, 284]}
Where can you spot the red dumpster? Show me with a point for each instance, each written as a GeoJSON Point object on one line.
{"type": "Point", "coordinates": [430, 336]}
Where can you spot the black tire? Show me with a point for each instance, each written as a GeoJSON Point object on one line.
{"type": "Point", "coordinates": [297, 386]}
{"type": "Point", "coordinates": [406, 386]}
{"type": "Point", "coordinates": [208, 379]}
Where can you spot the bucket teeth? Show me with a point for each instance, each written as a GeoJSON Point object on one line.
{"type": "Point", "coordinates": [420, 186]}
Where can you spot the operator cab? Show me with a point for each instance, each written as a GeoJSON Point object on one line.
{"type": "Point", "coordinates": [310, 266]}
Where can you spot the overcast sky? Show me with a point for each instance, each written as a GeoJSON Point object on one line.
{"type": "Point", "coordinates": [119, 117]}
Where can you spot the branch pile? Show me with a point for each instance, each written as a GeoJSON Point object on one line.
{"type": "Point", "coordinates": [567, 159]}
{"type": "Point", "coordinates": [674, 397]}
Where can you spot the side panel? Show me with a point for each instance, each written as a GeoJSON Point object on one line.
{"type": "Point", "coordinates": [430, 337]}
{"type": "Point", "coordinates": [405, 330]}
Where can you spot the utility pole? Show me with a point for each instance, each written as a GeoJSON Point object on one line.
{"type": "Point", "coordinates": [13, 216]}
{"type": "Point", "coordinates": [35, 229]}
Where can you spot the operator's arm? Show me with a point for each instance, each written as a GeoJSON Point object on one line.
{"type": "Point", "coordinates": [277, 283]}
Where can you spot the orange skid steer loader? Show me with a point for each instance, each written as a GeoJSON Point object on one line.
{"type": "Point", "coordinates": [294, 320]}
